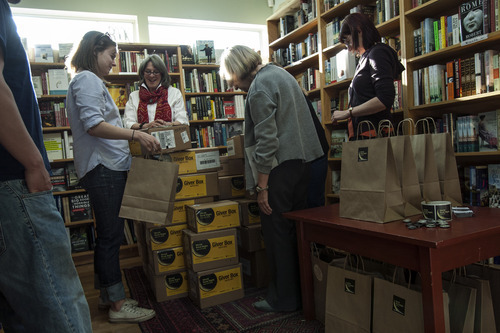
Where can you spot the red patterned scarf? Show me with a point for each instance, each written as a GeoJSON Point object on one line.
{"type": "Point", "coordinates": [159, 96]}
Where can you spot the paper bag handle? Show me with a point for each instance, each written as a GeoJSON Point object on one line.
{"type": "Point", "coordinates": [430, 119]}
{"type": "Point", "coordinates": [360, 127]}
{"type": "Point", "coordinates": [410, 126]}
{"type": "Point", "coordinates": [426, 129]}
{"type": "Point", "coordinates": [385, 124]}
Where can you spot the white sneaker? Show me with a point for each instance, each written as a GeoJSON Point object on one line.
{"type": "Point", "coordinates": [106, 305]}
{"type": "Point", "coordinates": [130, 314]}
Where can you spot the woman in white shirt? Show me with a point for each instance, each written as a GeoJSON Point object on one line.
{"type": "Point", "coordinates": [156, 103]}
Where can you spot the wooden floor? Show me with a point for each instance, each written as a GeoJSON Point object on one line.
{"type": "Point", "coordinates": [100, 322]}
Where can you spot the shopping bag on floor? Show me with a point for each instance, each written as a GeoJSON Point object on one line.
{"type": "Point", "coordinates": [446, 164]}
{"type": "Point", "coordinates": [425, 162]}
{"type": "Point", "coordinates": [462, 306]}
{"type": "Point", "coordinates": [399, 308]}
{"type": "Point", "coordinates": [150, 191]}
{"type": "Point", "coordinates": [369, 187]}
{"type": "Point", "coordinates": [349, 297]}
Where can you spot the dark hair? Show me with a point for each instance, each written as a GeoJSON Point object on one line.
{"type": "Point", "coordinates": [355, 22]}
{"type": "Point", "coordinates": [85, 56]}
{"type": "Point", "coordinates": [158, 64]}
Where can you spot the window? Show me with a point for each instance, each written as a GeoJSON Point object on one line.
{"type": "Point", "coordinates": [40, 26]}
{"type": "Point", "coordinates": [224, 34]}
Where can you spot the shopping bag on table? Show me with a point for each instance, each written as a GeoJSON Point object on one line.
{"type": "Point", "coordinates": [446, 164]}
{"type": "Point", "coordinates": [462, 306]}
{"type": "Point", "coordinates": [349, 297]}
{"type": "Point", "coordinates": [369, 188]}
{"type": "Point", "coordinates": [425, 162]}
{"type": "Point", "coordinates": [399, 308]}
{"type": "Point", "coordinates": [150, 191]}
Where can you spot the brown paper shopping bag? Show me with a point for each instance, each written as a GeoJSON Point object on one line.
{"type": "Point", "coordinates": [398, 308]}
{"type": "Point", "coordinates": [462, 306]}
{"type": "Point", "coordinates": [150, 191]}
{"type": "Point", "coordinates": [425, 162]}
{"type": "Point", "coordinates": [446, 164]}
{"type": "Point", "coordinates": [369, 188]}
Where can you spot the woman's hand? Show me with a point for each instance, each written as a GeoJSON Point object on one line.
{"type": "Point", "coordinates": [157, 123]}
{"type": "Point", "coordinates": [148, 142]}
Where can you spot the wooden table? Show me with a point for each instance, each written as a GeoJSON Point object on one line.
{"type": "Point", "coordinates": [429, 251]}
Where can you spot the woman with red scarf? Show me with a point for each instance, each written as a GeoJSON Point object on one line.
{"type": "Point", "coordinates": [156, 103]}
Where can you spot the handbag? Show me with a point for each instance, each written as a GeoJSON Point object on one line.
{"type": "Point", "coordinates": [150, 191]}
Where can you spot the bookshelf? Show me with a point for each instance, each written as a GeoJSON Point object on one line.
{"type": "Point", "coordinates": [395, 25]}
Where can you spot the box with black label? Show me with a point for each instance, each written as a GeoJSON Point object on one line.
{"type": "Point", "coordinates": [216, 286]}
{"type": "Point", "coordinates": [213, 216]}
{"type": "Point", "coordinates": [172, 138]}
{"type": "Point", "coordinates": [197, 185]}
{"type": "Point", "coordinates": [196, 160]}
{"type": "Point", "coordinates": [211, 249]}
{"type": "Point", "coordinates": [236, 147]}
{"type": "Point", "coordinates": [249, 212]}
{"type": "Point", "coordinates": [160, 237]}
{"type": "Point", "coordinates": [254, 265]}
{"type": "Point", "coordinates": [231, 187]}
{"type": "Point", "coordinates": [167, 260]}
{"type": "Point", "coordinates": [179, 215]}
{"type": "Point", "coordinates": [250, 238]}
{"type": "Point", "coordinates": [231, 166]}
{"type": "Point", "coordinates": [170, 286]}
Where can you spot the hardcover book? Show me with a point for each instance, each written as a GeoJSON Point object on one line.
{"type": "Point", "coordinates": [53, 146]}
{"type": "Point", "coordinates": [79, 239]}
{"type": "Point", "coordinates": [44, 53]}
{"type": "Point", "coordinates": [338, 137]}
{"type": "Point", "coordinates": [494, 185]}
{"type": "Point", "coordinates": [58, 179]}
{"type": "Point", "coordinates": [488, 130]}
{"type": "Point", "coordinates": [58, 81]}
{"type": "Point", "coordinates": [79, 207]}
{"type": "Point", "coordinates": [471, 19]}
{"type": "Point", "coordinates": [205, 51]}
{"type": "Point", "coordinates": [187, 54]}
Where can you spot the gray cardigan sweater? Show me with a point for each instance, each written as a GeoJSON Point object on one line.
{"type": "Point", "coordinates": [278, 124]}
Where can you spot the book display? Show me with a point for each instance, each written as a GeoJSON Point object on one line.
{"type": "Point", "coordinates": [448, 47]}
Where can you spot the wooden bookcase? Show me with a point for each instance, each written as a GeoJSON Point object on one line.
{"type": "Point", "coordinates": [401, 25]}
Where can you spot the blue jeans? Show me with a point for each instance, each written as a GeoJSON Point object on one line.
{"type": "Point", "coordinates": [39, 287]}
{"type": "Point", "coordinates": [105, 188]}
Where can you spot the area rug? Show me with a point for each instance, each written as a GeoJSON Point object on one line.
{"type": "Point", "coordinates": [182, 315]}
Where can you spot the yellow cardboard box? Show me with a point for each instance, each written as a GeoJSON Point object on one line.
{"type": "Point", "coordinates": [231, 187]}
{"type": "Point", "coordinates": [213, 216]}
{"type": "Point", "coordinates": [197, 185]}
{"type": "Point", "coordinates": [196, 160]}
{"type": "Point", "coordinates": [161, 237]}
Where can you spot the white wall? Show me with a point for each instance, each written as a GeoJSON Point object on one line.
{"type": "Point", "coordinates": [240, 11]}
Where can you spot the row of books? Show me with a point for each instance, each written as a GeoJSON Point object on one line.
{"type": "Point", "coordinates": [74, 207]}
{"type": "Point", "coordinates": [296, 51]}
{"type": "Point", "coordinates": [481, 185]}
{"type": "Point", "coordinates": [197, 82]}
{"type": "Point", "coordinates": [459, 77]}
{"type": "Point", "coordinates": [64, 179]}
{"type": "Point", "coordinates": [53, 113]}
{"type": "Point", "coordinates": [215, 135]}
{"type": "Point", "coordinates": [59, 145]}
{"type": "Point", "coordinates": [52, 82]}
{"type": "Point", "coordinates": [435, 34]}
{"type": "Point", "coordinates": [215, 107]}
{"type": "Point", "coordinates": [130, 61]}
{"type": "Point", "coordinates": [340, 67]}
{"type": "Point", "coordinates": [310, 79]}
{"type": "Point", "coordinates": [305, 13]}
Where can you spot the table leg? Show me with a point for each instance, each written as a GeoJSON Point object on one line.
{"type": "Point", "coordinates": [306, 281]}
{"type": "Point", "coordinates": [432, 291]}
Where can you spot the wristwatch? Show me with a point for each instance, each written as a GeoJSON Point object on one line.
{"type": "Point", "coordinates": [259, 189]}
{"type": "Point", "coordinates": [350, 111]}
{"type": "Point", "coordinates": [141, 125]}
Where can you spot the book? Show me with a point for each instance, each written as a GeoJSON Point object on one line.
{"type": "Point", "coordinates": [44, 53]}
{"type": "Point", "coordinates": [482, 186]}
{"type": "Point", "coordinates": [58, 81]}
{"type": "Point", "coordinates": [53, 146]}
{"type": "Point", "coordinates": [64, 51]}
{"type": "Point", "coordinates": [79, 238]}
{"type": "Point", "coordinates": [488, 130]}
{"type": "Point", "coordinates": [37, 85]}
{"type": "Point", "coordinates": [58, 180]}
{"type": "Point", "coordinates": [119, 94]}
{"type": "Point", "coordinates": [47, 115]}
{"type": "Point", "coordinates": [71, 177]}
{"type": "Point", "coordinates": [337, 138]}
{"type": "Point", "coordinates": [494, 185]}
{"type": "Point", "coordinates": [235, 128]}
{"type": "Point", "coordinates": [79, 207]}
{"type": "Point", "coordinates": [229, 110]}
{"type": "Point", "coordinates": [187, 54]}
{"type": "Point", "coordinates": [205, 51]}
{"type": "Point", "coordinates": [335, 181]}
{"type": "Point", "coordinates": [471, 19]}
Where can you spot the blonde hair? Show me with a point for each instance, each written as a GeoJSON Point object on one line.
{"type": "Point", "coordinates": [239, 60]}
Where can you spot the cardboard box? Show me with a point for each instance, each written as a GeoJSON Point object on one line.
{"type": "Point", "coordinates": [216, 286]}
{"type": "Point", "coordinates": [213, 216]}
{"type": "Point", "coordinates": [172, 138]}
{"type": "Point", "coordinates": [196, 160]}
{"type": "Point", "coordinates": [163, 237]}
{"type": "Point", "coordinates": [231, 187]}
{"type": "Point", "coordinates": [167, 260]}
{"type": "Point", "coordinates": [197, 185]}
{"type": "Point", "coordinates": [236, 147]}
{"type": "Point", "coordinates": [179, 215]}
{"type": "Point", "coordinates": [249, 212]}
{"type": "Point", "coordinates": [231, 166]}
{"type": "Point", "coordinates": [254, 265]}
{"type": "Point", "coordinates": [211, 249]}
{"type": "Point", "coordinates": [169, 286]}
{"type": "Point", "coordinates": [250, 238]}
